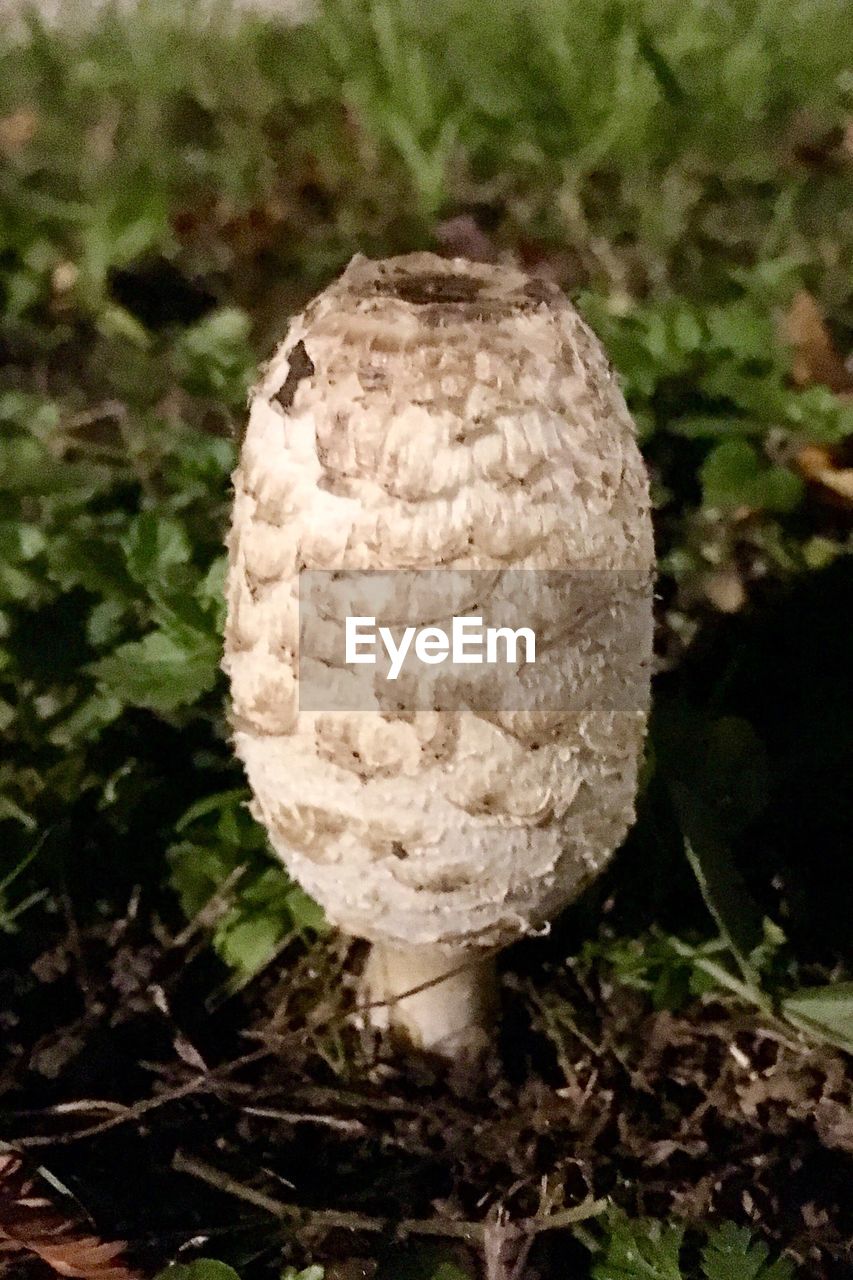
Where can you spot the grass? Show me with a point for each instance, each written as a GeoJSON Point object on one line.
{"type": "Point", "coordinates": [174, 185]}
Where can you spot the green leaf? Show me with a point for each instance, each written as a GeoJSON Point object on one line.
{"type": "Point", "coordinates": [733, 476]}
{"type": "Point", "coordinates": [88, 719]}
{"type": "Point", "coordinates": [26, 467]}
{"type": "Point", "coordinates": [819, 552]}
{"type": "Point", "coordinates": [20, 544]}
{"type": "Point", "coordinates": [641, 1249]}
{"type": "Point", "coordinates": [263, 906]}
{"type": "Point", "coordinates": [212, 804]}
{"type": "Point", "coordinates": [780, 490]}
{"type": "Point", "coordinates": [128, 219]}
{"type": "Point", "coordinates": [214, 358]}
{"type": "Point", "coordinates": [249, 944]}
{"type": "Point", "coordinates": [159, 672]}
{"type": "Point", "coordinates": [423, 1262]}
{"type": "Point", "coordinates": [732, 1254]}
{"type": "Point", "coordinates": [210, 592]}
{"type": "Point", "coordinates": [824, 1011]}
{"type": "Point", "coordinates": [709, 427]}
{"type": "Point", "coordinates": [764, 955]}
{"type": "Point", "coordinates": [200, 1269]}
{"type": "Point", "coordinates": [306, 913]}
{"type": "Point", "coordinates": [153, 546]}
{"type": "Point", "coordinates": [103, 626]}
{"type": "Point", "coordinates": [308, 1273]}
{"type": "Point", "coordinates": [743, 329]}
{"type": "Point", "coordinates": [80, 559]}
{"type": "Point", "coordinates": [117, 323]}
{"type": "Point", "coordinates": [728, 901]}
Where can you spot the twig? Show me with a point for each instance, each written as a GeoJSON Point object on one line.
{"type": "Point", "coordinates": [332, 1219]}
{"type": "Point", "coordinates": [212, 909]}
{"type": "Point", "coordinates": [129, 1114]}
{"type": "Point", "coordinates": [199, 1084]}
{"type": "Point", "coordinates": [306, 1117]}
{"type": "Point", "coordinates": [564, 1218]}
{"type": "Point", "coordinates": [88, 1106]}
{"type": "Point", "coordinates": [109, 410]}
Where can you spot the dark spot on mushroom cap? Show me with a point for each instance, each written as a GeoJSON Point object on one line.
{"type": "Point", "coordinates": [300, 365]}
{"type": "Point", "coordinates": [430, 288]}
{"type": "Point", "coordinates": [444, 298]}
{"type": "Point", "coordinates": [541, 291]}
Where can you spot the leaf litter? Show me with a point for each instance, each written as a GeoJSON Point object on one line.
{"type": "Point", "coordinates": [271, 1109]}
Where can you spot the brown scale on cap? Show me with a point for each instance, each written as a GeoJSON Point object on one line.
{"type": "Point", "coordinates": [424, 288]}
{"type": "Point", "coordinates": [300, 366]}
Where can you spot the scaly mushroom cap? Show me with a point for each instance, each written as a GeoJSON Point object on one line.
{"type": "Point", "coordinates": [425, 413]}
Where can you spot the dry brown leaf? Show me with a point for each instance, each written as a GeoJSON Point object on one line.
{"type": "Point", "coordinates": [817, 465]}
{"type": "Point", "coordinates": [725, 589]}
{"type": "Point", "coordinates": [17, 129]}
{"type": "Point", "coordinates": [30, 1225]}
{"type": "Point", "coordinates": [834, 1124]}
{"type": "Point", "coordinates": [815, 357]}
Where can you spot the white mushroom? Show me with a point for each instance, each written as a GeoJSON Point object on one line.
{"type": "Point", "coordinates": [431, 414]}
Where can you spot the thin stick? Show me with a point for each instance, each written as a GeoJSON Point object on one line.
{"type": "Point", "coordinates": [208, 914]}
{"type": "Point", "coordinates": [330, 1219]}
{"type": "Point", "coordinates": [388, 1002]}
{"type": "Point", "coordinates": [200, 1084]}
{"type": "Point", "coordinates": [307, 1117]}
{"type": "Point", "coordinates": [131, 1113]}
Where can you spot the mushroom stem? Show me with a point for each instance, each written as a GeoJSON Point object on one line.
{"type": "Point", "coordinates": [439, 1002]}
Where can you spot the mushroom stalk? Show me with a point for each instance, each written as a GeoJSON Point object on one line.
{"type": "Point", "coordinates": [436, 1002]}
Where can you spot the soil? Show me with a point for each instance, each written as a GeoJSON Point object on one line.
{"type": "Point", "coordinates": [154, 1104]}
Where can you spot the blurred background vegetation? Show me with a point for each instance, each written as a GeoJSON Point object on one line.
{"type": "Point", "coordinates": [176, 181]}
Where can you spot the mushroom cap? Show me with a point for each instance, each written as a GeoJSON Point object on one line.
{"type": "Point", "coordinates": [425, 413]}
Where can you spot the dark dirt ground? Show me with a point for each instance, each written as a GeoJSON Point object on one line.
{"type": "Point", "coordinates": [264, 1125]}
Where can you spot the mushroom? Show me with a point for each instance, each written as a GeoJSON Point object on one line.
{"type": "Point", "coordinates": [433, 414]}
